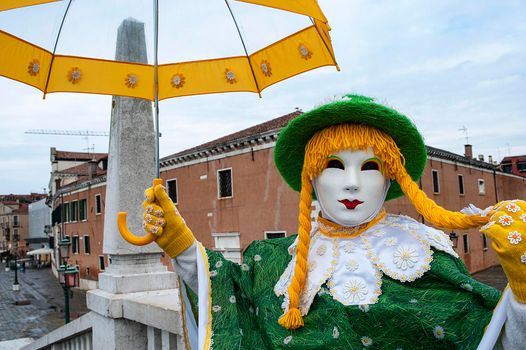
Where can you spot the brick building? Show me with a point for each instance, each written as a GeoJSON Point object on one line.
{"type": "Point", "coordinates": [514, 165]}
{"type": "Point", "coordinates": [14, 221]}
{"type": "Point", "coordinates": [78, 187]}
{"type": "Point", "coordinates": [230, 193]}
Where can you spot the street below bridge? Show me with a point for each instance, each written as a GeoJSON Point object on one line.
{"type": "Point", "coordinates": [41, 300]}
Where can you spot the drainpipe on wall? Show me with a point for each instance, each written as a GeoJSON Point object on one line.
{"type": "Point", "coordinates": [495, 185]}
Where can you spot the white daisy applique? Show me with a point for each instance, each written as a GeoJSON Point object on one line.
{"type": "Point", "coordinates": [335, 333]}
{"type": "Point", "coordinates": [352, 265]}
{"type": "Point", "coordinates": [439, 332]}
{"type": "Point", "coordinates": [405, 257]}
{"type": "Point", "coordinates": [354, 290]}
{"type": "Point", "coordinates": [505, 220]}
{"type": "Point", "coordinates": [514, 237]}
{"type": "Point", "coordinates": [348, 247]}
{"type": "Point", "coordinates": [467, 287]}
{"type": "Point", "coordinates": [512, 207]}
{"type": "Point", "coordinates": [391, 241]}
{"type": "Point", "coordinates": [366, 341]}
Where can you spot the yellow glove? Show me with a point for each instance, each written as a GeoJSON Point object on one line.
{"type": "Point", "coordinates": [507, 230]}
{"type": "Point", "coordinates": [162, 219]}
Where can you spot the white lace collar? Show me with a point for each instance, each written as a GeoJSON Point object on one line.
{"type": "Point", "coordinates": [352, 268]}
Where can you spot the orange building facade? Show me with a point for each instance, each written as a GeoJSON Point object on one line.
{"type": "Point", "coordinates": [14, 222]}
{"type": "Point", "coordinates": [230, 194]}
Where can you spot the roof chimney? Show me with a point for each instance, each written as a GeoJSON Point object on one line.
{"type": "Point", "coordinates": [490, 159]}
{"type": "Point", "coordinates": [481, 157]}
{"type": "Point", "coordinates": [92, 169]}
{"type": "Point", "coordinates": [468, 151]}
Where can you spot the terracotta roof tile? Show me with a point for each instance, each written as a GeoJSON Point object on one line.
{"type": "Point", "coordinates": [65, 155]}
{"type": "Point", "coordinates": [81, 170]}
{"type": "Point", "coordinates": [510, 158]}
{"type": "Point", "coordinates": [272, 124]}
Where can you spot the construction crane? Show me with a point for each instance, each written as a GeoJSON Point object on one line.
{"type": "Point", "coordinates": [68, 132]}
{"type": "Point", "coordinates": [85, 133]}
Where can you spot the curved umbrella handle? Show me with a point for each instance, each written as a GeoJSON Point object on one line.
{"type": "Point", "coordinates": [129, 236]}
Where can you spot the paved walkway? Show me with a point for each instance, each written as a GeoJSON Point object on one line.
{"type": "Point", "coordinates": [44, 313]}
{"type": "Point", "coordinates": [494, 276]}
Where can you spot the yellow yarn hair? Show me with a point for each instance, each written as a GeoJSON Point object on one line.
{"type": "Point", "coordinates": [357, 137]}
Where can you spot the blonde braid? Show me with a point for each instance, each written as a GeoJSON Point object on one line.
{"type": "Point", "coordinates": [292, 319]}
{"type": "Point", "coordinates": [431, 211]}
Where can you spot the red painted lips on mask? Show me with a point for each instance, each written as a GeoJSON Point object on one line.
{"type": "Point", "coordinates": [350, 204]}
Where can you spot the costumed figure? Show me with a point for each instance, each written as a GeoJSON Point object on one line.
{"type": "Point", "coordinates": [357, 277]}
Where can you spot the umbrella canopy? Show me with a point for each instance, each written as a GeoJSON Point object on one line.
{"type": "Point", "coordinates": [53, 69]}
{"type": "Point", "coordinates": [60, 67]}
{"type": "Point", "coordinates": [41, 251]}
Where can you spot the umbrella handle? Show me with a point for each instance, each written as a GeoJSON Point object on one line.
{"type": "Point", "coordinates": [129, 236]}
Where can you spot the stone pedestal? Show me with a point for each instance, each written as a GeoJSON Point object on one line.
{"type": "Point", "coordinates": [134, 272]}
{"type": "Point", "coordinates": [119, 335]}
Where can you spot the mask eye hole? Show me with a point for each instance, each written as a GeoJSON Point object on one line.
{"type": "Point", "coordinates": [371, 164]}
{"type": "Point", "coordinates": [335, 163]}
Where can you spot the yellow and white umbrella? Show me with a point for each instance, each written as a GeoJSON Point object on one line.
{"type": "Point", "coordinates": [63, 65]}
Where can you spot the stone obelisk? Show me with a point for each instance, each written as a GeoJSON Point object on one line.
{"type": "Point", "coordinates": [131, 169]}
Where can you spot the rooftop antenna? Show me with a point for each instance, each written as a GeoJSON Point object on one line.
{"type": "Point", "coordinates": [465, 131]}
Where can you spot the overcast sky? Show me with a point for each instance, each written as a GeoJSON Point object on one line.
{"type": "Point", "coordinates": [445, 64]}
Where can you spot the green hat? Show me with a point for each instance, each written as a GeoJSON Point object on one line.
{"type": "Point", "coordinates": [289, 152]}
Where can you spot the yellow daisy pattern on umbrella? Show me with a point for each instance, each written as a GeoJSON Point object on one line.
{"type": "Point", "coordinates": [304, 52]}
{"type": "Point", "coordinates": [178, 80]}
{"type": "Point", "coordinates": [33, 68]}
{"type": "Point", "coordinates": [230, 76]}
{"type": "Point", "coordinates": [74, 75]}
{"type": "Point", "coordinates": [131, 80]}
{"type": "Point", "coordinates": [266, 69]}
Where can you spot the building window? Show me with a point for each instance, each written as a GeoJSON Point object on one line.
{"type": "Point", "coordinates": [482, 187]}
{"type": "Point", "coordinates": [74, 211]}
{"type": "Point", "coordinates": [102, 264]}
{"type": "Point", "coordinates": [87, 247]}
{"type": "Point", "coordinates": [484, 242]}
{"type": "Point", "coordinates": [461, 184]}
{"type": "Point", "coordinates": [521, 166]}
{"type": "Point", "coordinates": [229, 245]}
{"type": "Point", "coordinates": [436, 184]}
{"type": "Point", "coordinates": [171, 187]}
{"type": "Point", "coordinates": [75, 244]}
{"type": "Point", "coordinates": [83, 212]}
{"type": "Point", "coordinates": [98, 204]}
{"type": "Point", "coordinates": [65, 213]}
{"type": "Point", "coordinates": [275, 234]}
{"type": "Point", "coordinates": [507, 168]}
{"type": "Point", "coordinates": [465, 239]}
{"type": "Point", "coordinates": [224, 183]}
{"type": "Point", "coordinates": [16, 222]}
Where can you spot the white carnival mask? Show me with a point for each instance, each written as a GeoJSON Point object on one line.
{"type": "Point", "coordinates": [351, 190]}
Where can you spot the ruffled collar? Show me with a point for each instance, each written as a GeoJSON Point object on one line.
{"type": "Point", "coordinates": [332, 230]}
{"type": "Point", "coordinates": [352, 266]}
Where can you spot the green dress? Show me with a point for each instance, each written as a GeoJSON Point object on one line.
{"type": "Point", "coordinates": [444, 309]}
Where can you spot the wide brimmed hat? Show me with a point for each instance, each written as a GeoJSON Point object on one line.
{"type": "Point", "coordinates": [289, 152]}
